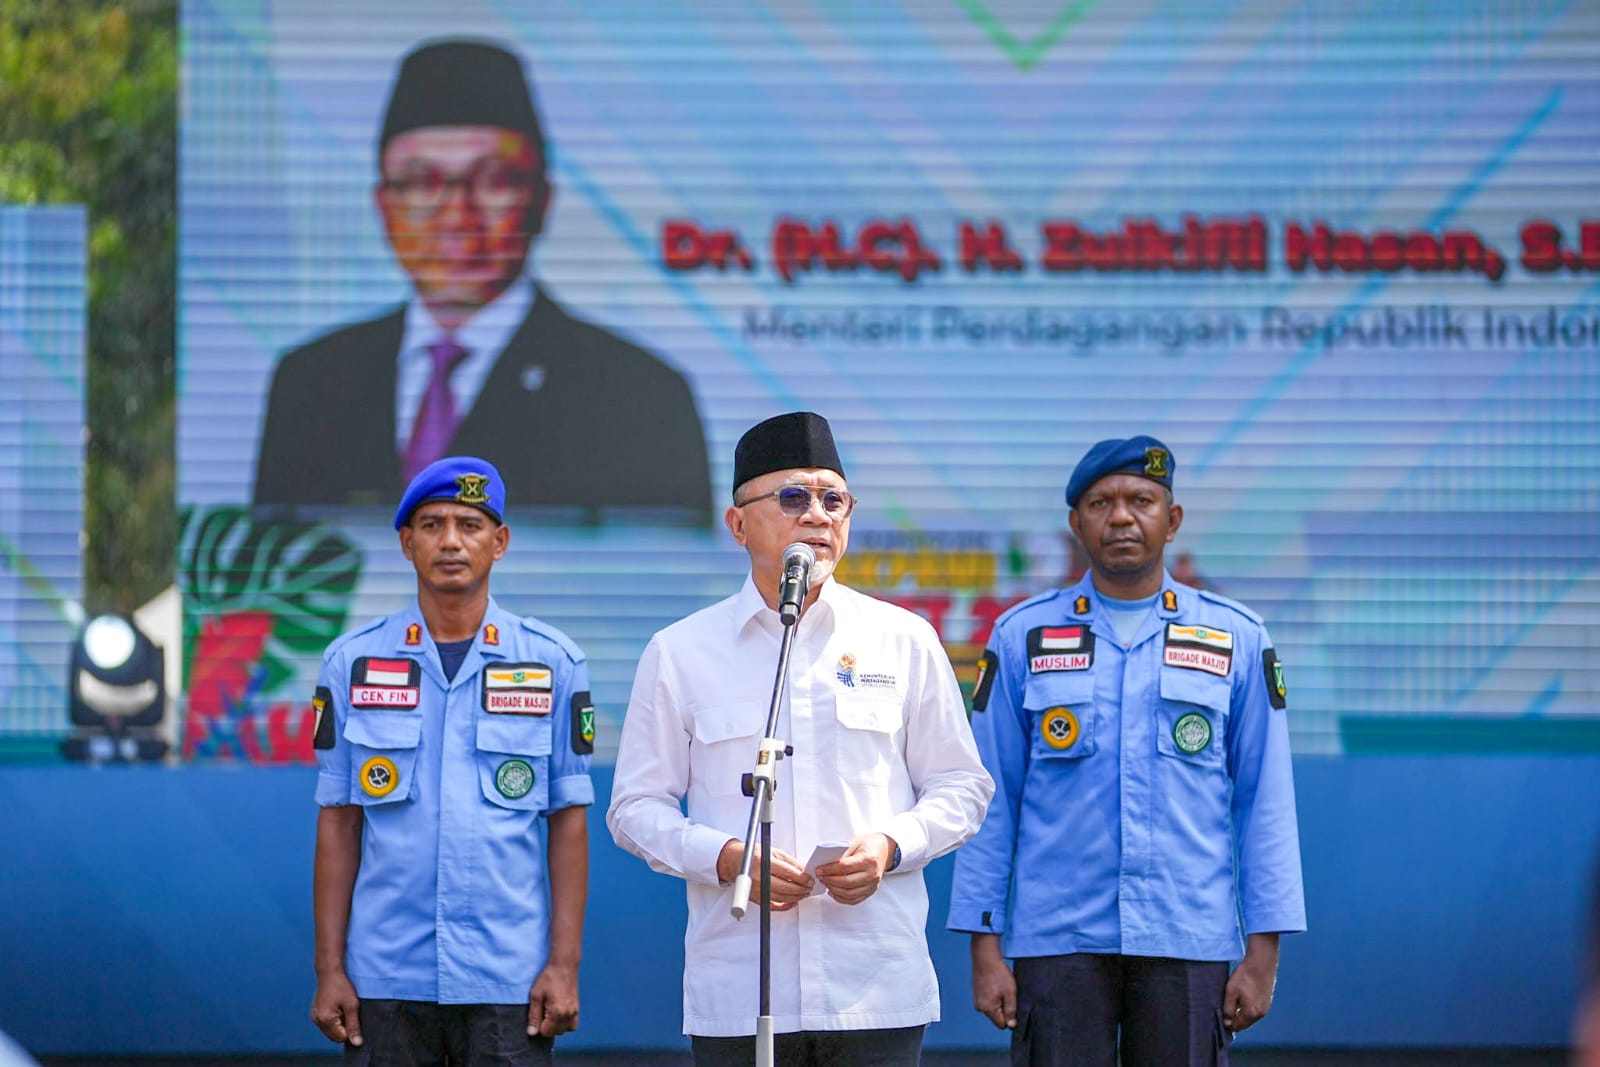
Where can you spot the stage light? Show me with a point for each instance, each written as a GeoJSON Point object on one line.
{"type": "Point", "coordinates": [117, 693]}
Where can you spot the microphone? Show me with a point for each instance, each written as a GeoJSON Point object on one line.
{"type": "Point", "coordinates": [798, 559]}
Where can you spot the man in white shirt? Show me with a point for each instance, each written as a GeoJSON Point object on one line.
{"type": "Point", "coordinates": [883, 759]}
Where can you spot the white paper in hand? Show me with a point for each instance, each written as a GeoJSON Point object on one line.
{"type": "Point", "coordinates": [825, 853]}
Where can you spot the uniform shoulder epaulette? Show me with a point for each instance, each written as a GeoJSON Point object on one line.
{"type": "Point", "coordinates": [550, 633]}
{"type": "Point", "coordinates": [1033, 601]}
{"type": "Point", "coordinates": [350, 635]}
{"type": "Point", "coordinates": [1218, 598]}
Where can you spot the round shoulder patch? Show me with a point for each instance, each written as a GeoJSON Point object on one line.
{"type": "Point", "coordinates": [1059, 728]}
{"type": "Point", "coordinates": [514, 779]}
{"type": "Point", "coordinates": [379, 776]}
{"type": "Point", "coordinates": [1192, 733]}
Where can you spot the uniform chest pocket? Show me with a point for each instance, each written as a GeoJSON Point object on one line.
{"type": "Point", "coordinates": [866, 744]}
{"type": "Point", "coordinates": [726, 739]}
{"type": "Point", "coordinates": [514, 760]}
{"type": "Point", "coordinates": [383, 755]}
{"type": "Point", "coordinates": [1192, 715]}
{"type": "Point", "coordinates": [1060, 707]}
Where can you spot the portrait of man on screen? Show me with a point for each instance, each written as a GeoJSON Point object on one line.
{"type": "Point", "coordinates": [481, 357]}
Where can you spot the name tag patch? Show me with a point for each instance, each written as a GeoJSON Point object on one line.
{"type": "Point", "coordinates": [385, 683]}
{"type": "Point", "coordinates": [1198, 648]}
{"type": "Point", "coordinates": [519, 689]}
{"type": "Point", "coordinates": [1060, 648]}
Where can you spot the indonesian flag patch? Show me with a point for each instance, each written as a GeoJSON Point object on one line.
{"type": "Point", "coordinates": [1060, 648]}
{"type": "Point", "coordinates": [385, 683]}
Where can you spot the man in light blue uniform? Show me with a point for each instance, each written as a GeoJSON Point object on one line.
{"type": "Point", "coordinates": [1136, 732]}
{"type": "Point", "coordinates": [444, 732]}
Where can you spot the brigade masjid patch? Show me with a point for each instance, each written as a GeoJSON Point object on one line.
{"type": "Point", "coordinates": [379, 776]}
{"type": "Point", "coordinates": [1277, 690]}
{"type": "Point", "coordinates": [1059, 728]}
{"type": "Point", "coordinates": [472, 488]}
{"type": "Point", "coordinates": [1192, 733]}
{"type": "Point", "coordinates": [582, 723]}
{"type": "Point", "coordinates": [322, 703]}
{"type": "Point", "coordinates": [514, 779]}
{"type": "Point", "coordinates": [986, 671]}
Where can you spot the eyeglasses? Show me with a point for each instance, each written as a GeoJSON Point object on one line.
{"type": "Point", "coordinates": [493, 187]}
{"type": "Point", "coordinates": [795, 500]}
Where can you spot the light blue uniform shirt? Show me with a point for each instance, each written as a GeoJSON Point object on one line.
{"type": "Point", "coordinates": [1145, 800]}
{"type": "Point", "coordinates": [450, 904]}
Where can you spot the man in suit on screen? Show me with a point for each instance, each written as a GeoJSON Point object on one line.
{"type": "Point", "coordinates": [481, 359]}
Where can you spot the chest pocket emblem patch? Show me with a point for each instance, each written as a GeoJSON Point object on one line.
{"type": "Point", "coordinates": [518, 689]}
{"type": "Point", "coordinates": [379, 776]}
{"type": "Point", "coordinates": [1059, 727]}
{"type": "Point", "coordinates": [514, 779]}
{"type": "Point", "coordinates": [1192, 733]}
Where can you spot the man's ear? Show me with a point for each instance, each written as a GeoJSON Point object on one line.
{"type": "Point", "coordinates": [405, 540]}
{"type": "Point", "coordinates": [1176, 513]}
{"type": "Point", "coordinates": [539, 207]}
{"type": "Point", "coordinates": [734, 518]}
{"type": "Point", "coordinates": [1072, 521]}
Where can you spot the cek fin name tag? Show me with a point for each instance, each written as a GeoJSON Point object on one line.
{"type": "Point", "coordinates": [1198, 648]}
{"type": "Point", "coordinates": [1060, 648]}
{"type": "Point", "coordinates": [385, 683]}
{"type": "Point", "coordinates": [518, 689]}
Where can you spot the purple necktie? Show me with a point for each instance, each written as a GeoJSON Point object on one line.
{"type": "Point", "coordinates": [436, 419]}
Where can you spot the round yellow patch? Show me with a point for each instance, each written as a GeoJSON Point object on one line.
{"type": "Point", "coordinates": [1060, 728]}
{"type": "Point", "coordinates": [379, 776]}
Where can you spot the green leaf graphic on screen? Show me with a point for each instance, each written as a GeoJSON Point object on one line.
{"type": "Point", "coordinates": [301, 574]}
{"type": "Point", "coordinates": [1025, 54]}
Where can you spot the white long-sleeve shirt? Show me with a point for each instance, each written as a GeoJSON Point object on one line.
{"type": "Point", "coordinates": [881, 744]}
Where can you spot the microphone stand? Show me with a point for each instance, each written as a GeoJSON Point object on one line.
{"type": "Point", "coordinates": [760, 785]}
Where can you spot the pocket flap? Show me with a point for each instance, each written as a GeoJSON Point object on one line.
{"type": "Point", "coordinates": [864, 711]}
{"type": "Point", "coordinates": [727, 722]}
{"type": "Point", "coordinates": [521, 735]}
{"type": "Point", "coordinates": [383, 729]}
{"type": "Point", "coordinates": [1196, 687]}
{"type": "Point", "coordinates": [1058, 689]}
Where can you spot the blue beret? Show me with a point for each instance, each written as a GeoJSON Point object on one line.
{"type": "Point", "coordinates": [1142, 455]}
{"type": "Point", "coordinates": [459, 480]}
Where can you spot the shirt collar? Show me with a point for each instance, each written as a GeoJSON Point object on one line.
{"type": "Point", "coordinates": [748, 606]}
{"type": "Point", "coordinates": [411, 635]}
{"type": "Point", "coordinates": [489, 329]}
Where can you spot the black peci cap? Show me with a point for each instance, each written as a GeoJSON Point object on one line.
{"type": "Point", "coordinates": [799, 439]}
{"type": "Point", "coordinates": [461, 82]}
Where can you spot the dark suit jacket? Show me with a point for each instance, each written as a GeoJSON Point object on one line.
{"type": "Point", "coordinates": [573, 416]}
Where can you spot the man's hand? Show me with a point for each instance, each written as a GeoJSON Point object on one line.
{"type": "Point", "coordinates": [1248, 997]}
{"type": "Point", "coordinates": [553, 1002]}
{"type": "Point", "coordinates": [994, 987]}
{"type": "Point", "coordinates": [854, 876]}
{"type": "Point", "coordinates": [790, 882]}
{"type": "Point", "coordinates": [336, 1009]}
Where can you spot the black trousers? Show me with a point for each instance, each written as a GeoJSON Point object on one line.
{"type": "Point", "coordinates": [1083, 1010]}
{"type": "Point", "coordinates": [900, 1047]}
{"type": "Point", "coordinates": [415, 1033]}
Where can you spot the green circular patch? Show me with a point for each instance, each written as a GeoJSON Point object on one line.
{"type": "Point", "coordinates": [1192, 733]}
{"type": "Point", "coordinates": [514, 779]}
